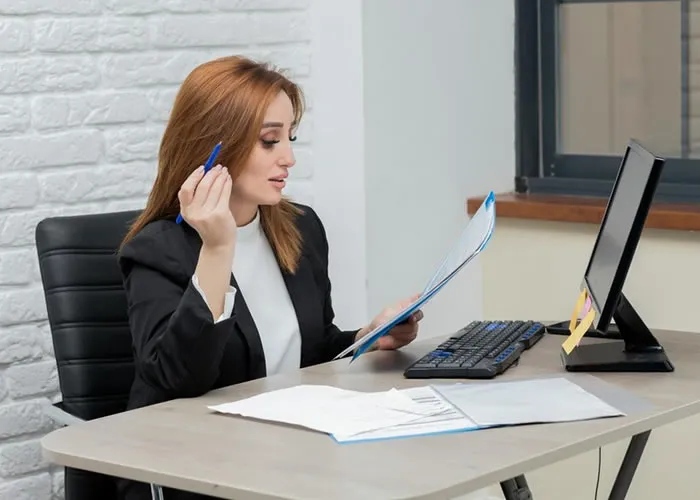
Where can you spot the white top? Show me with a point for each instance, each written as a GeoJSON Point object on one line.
{"type": "Point", "coordinates": [260, 280]}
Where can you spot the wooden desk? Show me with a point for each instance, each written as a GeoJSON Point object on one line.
{"type": "Point", "coordinates": [183, 445]}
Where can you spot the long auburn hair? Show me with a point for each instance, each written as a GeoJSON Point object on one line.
{"type": "Point", "coordinates": [223, 100]}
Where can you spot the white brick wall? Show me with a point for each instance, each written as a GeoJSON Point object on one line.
{"type": "Point", "coordinates": [85, 89]}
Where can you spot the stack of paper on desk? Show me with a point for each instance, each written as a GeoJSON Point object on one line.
{"type": "Point", "coordinates": [475, 406]}
{"type": "Point", "coordinates": [518, 402]}
{"type": "Point", "coordinates": [351, 416]}
{"type": "Point", "coordinates": [447, 420]}
{"type": "Point", "coordinates": [331, 410]}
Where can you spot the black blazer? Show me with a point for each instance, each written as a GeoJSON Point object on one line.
{"type": "Point", "coordinates": [178, 349]}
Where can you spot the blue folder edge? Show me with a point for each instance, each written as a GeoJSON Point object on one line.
{"type": "Point", "coordinates": [424, 434]}
{"type": "Point", "coordinates": [395, 321]}
{"type": "Point", "coordinates": [490, 200]}
{"type": "Point", "coordinates": [486, 204]}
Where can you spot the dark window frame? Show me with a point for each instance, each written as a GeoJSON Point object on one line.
{"type": "Point", "coordinates": [539, 168]}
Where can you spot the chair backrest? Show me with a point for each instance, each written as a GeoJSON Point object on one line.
{"type": "Point", "coordinates": [88, 318]}
{"type": "Point", "coordinates": [87, 310]}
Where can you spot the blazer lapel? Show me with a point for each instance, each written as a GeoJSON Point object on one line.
{"type": "Point", "coordinates": [300, 286]}
{"type": "Point", "coordinates": [245, 322]}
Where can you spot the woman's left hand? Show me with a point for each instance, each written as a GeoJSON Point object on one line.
{"type": "Point", "coordinates": [400, 335]}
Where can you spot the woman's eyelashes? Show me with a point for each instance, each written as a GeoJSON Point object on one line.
{"type": "Point", "coordinates": [270, 143]}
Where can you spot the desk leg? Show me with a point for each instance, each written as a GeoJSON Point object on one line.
{"type": "Point", "coordinates": [629, 466]}
{"type": "Point", "coordinates": [156, 492]}
{"type": "Point", "coordinates": [516, 489]}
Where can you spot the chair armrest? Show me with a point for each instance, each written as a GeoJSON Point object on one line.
{"type": "Point", "coordinates": [60, 416]}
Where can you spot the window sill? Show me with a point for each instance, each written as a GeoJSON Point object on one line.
{"type": "Point", "coordinates": [683, 217]}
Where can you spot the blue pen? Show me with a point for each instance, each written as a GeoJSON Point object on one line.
{"type": "Point", "coordinates": [207, 167]}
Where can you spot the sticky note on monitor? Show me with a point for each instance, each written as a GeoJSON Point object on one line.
{"type": "Point", "coordinates": [581, 320]}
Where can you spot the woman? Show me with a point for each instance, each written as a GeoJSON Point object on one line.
{"type": "Point", "coordinates": [240, 289]}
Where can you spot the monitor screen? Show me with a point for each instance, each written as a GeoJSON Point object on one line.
{"type": "Point", "coordinates": [608, 262]}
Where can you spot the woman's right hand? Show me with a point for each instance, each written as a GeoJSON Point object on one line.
{"type": "Point", "coordinates": [204, 205]}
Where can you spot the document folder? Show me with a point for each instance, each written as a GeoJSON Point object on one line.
{"type": "Point", "coordinates": [471, 242]}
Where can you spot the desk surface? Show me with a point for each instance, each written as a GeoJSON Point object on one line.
{"type": "Point", "coordinates": [182, 444]}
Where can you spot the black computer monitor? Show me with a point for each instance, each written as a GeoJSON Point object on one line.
{"type": "Point", "coordinates": [635, 348]}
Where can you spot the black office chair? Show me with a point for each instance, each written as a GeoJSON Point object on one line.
{"type": "Point", "coordinates": [87, 312]}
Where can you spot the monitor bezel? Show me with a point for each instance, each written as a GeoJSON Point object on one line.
{"type": "Point", "coordinates": [605, 312]}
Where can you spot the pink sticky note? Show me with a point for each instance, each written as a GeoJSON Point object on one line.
{"type": "Point", "coordinates": [586, 307]}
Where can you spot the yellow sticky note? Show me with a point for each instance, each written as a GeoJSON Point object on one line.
{"type": "Point", "coordinates": [577, 309]}
{"type": "Point", "coordinates": [586, 313]}
{"type": "Point", "coordinates": [572, 340]}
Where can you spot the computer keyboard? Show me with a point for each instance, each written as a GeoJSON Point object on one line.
{"type": "Point", "coordinates": [482, 349]}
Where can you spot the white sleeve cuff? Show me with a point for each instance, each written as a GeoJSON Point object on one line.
{"type": "Point", "coordinates": [228, 299]}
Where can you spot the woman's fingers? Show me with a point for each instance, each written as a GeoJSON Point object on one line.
{"type": "Point", "coordinates": [225, 197]}
{"type": "Point", "coordinates": [186, 193]}
{"type": "Point", "coordinates": [215, 191]}
{"type": "Point", "coordinates": [405, 330]}
{"type": "Point", "coordinates": [202, 191]}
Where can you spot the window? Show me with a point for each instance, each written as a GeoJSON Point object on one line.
{"type": "Point", "coordinates": [590, 75]}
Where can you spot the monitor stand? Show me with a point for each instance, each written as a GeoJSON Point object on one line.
{"type": "Point", "coordinates": [638, 351]}
{"type": "Point", "coordinates": [562, 328]}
